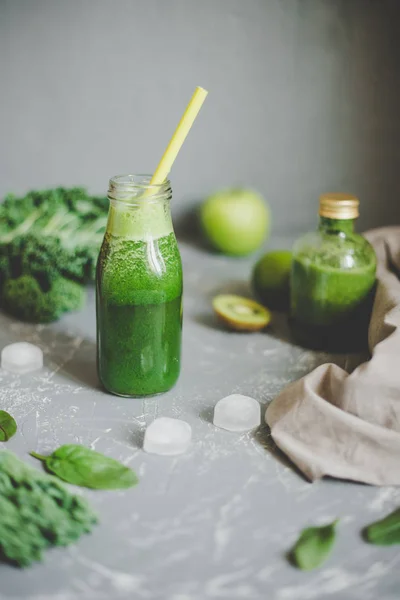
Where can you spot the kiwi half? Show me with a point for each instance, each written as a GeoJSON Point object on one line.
{"type": "Point", "coordinates": [241, 314]}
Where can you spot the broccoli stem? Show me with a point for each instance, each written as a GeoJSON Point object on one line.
{"type": "Point", "coordinates": [91, 233]}
{"type": "Point", "coordinates": [58, 221]}
{"type": "Point", "coordinates": [22, 228]}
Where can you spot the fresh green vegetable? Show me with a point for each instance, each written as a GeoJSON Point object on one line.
{"type": "Point", "coordinates": [36, 513]}
{"type": "Point", "coordinates": [8, 426]}
{"type": "Point", "coordinates": [24, 298]}
{"type": "Point", "coordinates": [83, 466]}
{"type": "Point", "coordinates": [385, 532]}
{"type": "Point", "coordinates": [313, 546]}
{"type": "Point", "coordinates": [49, 242]}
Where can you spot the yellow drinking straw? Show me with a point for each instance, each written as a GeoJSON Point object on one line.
{"type": "Point", "coordinates": [179, 136]}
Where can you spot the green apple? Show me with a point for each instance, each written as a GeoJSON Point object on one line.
{"type": "Point", "coordinates": [235, 221]}
{"type": "Point", "coordinates": [271, 279]}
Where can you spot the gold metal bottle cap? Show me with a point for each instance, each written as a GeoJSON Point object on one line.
{"type": "Point", "coordinates": [338, 206]}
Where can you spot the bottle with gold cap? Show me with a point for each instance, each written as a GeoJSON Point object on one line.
{"type": "Point", "coordinates": [333, 279]}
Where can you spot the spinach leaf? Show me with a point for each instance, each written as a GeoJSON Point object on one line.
{"type": "Point", "coordinates": [8, 426]}
{"type": "Point", "coordinates": [82, 466]}
{"type": "Point", "coordinates": [385, 532]}
{"type": "Point", "coordinates": [313, 546]}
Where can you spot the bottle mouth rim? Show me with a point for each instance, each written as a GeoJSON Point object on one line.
{"type": "Point", "coordinates": [132, 189]}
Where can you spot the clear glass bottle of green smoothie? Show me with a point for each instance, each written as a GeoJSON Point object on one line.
{"type": "Point", "coordinates": [333, 280]}
{"type": "Point", "coordinates": [139, 291]}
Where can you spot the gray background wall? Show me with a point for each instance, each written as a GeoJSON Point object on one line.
{"type": "Point", "coordinates": [304, 97]}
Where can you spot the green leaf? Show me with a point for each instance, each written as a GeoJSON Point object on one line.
{"type": "Point", "coordinates": [8, 426]}
{"type": "Point", "coordinates": [385, 532]}
{"type": "Point", "coordinates": [85, 467]}
{"type": "Point", "coordinates": [313, 546]}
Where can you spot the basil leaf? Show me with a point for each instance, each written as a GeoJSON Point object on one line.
{"type": "Point", "coordinates": [385, 532]}
{"type": "Point", "coordinates": [313, 546]}
{"type": "Point", "coordinates": [8, 426]}
{"type": "Point", "coordinates": [82, 466]}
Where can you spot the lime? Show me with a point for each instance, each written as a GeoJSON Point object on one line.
{"type": "Point", "coordinates": [271, 278]}
{"type": "Point", "coordinates": [235, 221]}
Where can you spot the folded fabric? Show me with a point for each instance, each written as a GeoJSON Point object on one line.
{"type": "Point", "coordinates": [348, 426]}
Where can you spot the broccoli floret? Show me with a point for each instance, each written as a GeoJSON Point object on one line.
{"type": "Point", "coordinates": [49, 242]}
{"type": "Point", "coordinates": [24, 298]}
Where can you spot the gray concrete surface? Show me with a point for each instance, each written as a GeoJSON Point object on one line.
{"type": "Point", "coordinates": [216, 522]}
{"type": "Point", "coordinates": [304, 98]}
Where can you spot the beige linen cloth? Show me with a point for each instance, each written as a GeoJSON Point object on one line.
{"type": "Point", "coordinates": [348, 426]}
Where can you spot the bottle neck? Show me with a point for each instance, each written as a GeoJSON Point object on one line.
{"type": "Point", "coordinates": [327, 225]}
{"type": "Point", "coordinates": [141, 221]}
{"type": "Point", "coordinates": [138, 209]}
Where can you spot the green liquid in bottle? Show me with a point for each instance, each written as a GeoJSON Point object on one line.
{"type": "Point", "coordinates": [332, 287]}
{"type": "Point", "coordinates": [139, 314]}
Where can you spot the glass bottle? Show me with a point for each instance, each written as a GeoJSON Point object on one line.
{"type": "Point", "coordinates": [333, 279]}
{"type": "Point", "coordinates": [139, 290]}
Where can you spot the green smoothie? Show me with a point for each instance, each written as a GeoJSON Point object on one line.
{"type": "Point", "coordinates": [332, 287]}
{"type": "Point", "coordinates": [139, 302]}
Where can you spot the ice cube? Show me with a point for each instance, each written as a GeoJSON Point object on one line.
{"type": "Point", "coordinates": [21, 357]}
{"type": "Point", "coordinates": [167, 436]}
{"type": "Point", "coordinates": [237, 413]}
